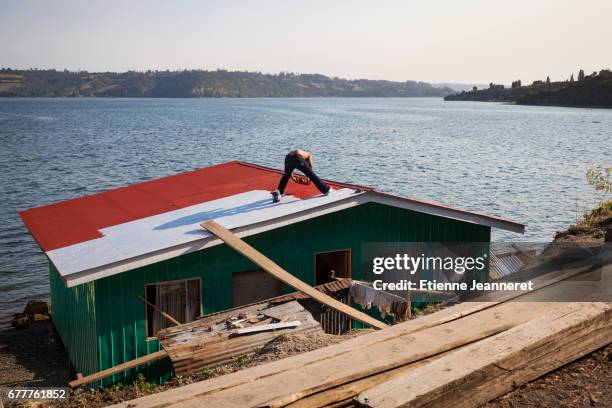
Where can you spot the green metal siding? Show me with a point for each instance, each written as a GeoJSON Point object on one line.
{"type": "Point", "coordinates": [120, 316]}
{"type": "Point", "coordinates": [74, 317]}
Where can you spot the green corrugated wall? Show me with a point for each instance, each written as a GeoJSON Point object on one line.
{"type": "Point", "coordinates": [116, 317]}
{"type": "Point", "coordinates": [74, 316]}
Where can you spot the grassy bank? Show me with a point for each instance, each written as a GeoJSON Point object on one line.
{"type": "Point", "coordinates": [593, 226]}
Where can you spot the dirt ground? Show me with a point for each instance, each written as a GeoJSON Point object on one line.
{"type": "Point", "coordinates": [28, 365]}
{"type": "Point", "coordinates": [33, 357]}
{"type": "Point", "coordinates": [584, 383]}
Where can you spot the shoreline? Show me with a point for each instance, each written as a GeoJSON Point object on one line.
{"type": "Point", "coordinates": [602, 107]}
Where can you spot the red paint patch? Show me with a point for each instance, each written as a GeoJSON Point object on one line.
{"type": "Point", "coordinates": [73, 221]}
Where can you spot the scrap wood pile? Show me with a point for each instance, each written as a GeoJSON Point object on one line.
{"type": "Point", "coordinates": [217, 339]}
{"type": "Point", "coordinates": [464, 355]}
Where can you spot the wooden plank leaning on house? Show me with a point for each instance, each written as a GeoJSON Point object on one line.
{"type": "Point", "coordinates": [268, 265]}
{"type": "Point", "coordinates": [166, 315]}
{"type": "Point", "coordinates": [465, 315]}
{"type": "Point", "coordinates": [492, 367]}
{"type": "Point", "coordinates": [118, 369]}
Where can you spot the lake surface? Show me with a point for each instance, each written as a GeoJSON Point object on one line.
{"type": "Point", "coordinates": [519, 162]}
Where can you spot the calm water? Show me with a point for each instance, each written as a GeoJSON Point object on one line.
{"type": "Point", "coordinates": [525, 163]}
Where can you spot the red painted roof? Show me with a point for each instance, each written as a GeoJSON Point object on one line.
{"type": "Point", "coordinates": [73, 221]}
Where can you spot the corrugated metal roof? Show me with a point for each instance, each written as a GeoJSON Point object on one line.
{"type": "Point", "coordinates": [180, 227]}
{"type": "Point", "coordinates": [501, 266]}
{"type": "Point", "coordinates": [82, 219]}
{"type": "Point", "coordinates": [111, 232]}
{"type": "Point", "coordinates": [509, 258]}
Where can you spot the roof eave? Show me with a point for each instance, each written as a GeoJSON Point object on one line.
{"type": "Point", "coordinates": [442, 210]}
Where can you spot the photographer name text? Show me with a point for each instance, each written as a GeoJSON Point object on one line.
{"type": "Point", "coordinates": [433, 285]}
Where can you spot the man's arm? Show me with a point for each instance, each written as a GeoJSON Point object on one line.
{"type": "Point", "coordinates": [310, 160]}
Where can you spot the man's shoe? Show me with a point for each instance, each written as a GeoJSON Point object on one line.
{"type": "Point", "coordinates": [331, 190]}
{"type": "Point", "coordinates": [275, 196]}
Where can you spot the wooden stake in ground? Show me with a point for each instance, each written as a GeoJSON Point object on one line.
{"type": "Point", "coordinates": [269, 266]}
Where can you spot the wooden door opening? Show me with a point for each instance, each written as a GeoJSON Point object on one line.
{"type": "Point", "coordinates": [332, 263]}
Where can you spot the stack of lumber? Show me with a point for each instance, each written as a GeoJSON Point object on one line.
{"type": "Point", "coordinates": [464, 355]}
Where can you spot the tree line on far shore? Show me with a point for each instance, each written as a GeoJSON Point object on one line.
{"type": "Point", "coordinates": [199, 83]}
{"type": "Point", "coordinates": [587, 90]}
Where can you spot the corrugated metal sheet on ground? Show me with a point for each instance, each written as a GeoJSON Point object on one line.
{"type": "Point", "coordinates": [507, 264]}
{"type": "Point", "coordinates": [209, 342]}
{"type": "Point", "coordinates": [509, 258]}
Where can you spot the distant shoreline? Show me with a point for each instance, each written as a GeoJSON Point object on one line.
{"type": "Point", "coordinates": [202, 84]}
{"type": "Point", "coordinates": [534, 104]}
{"type": "Point", "coordinates": [216, 97]}
{"type": "Point", "coordinates": [590, 91]}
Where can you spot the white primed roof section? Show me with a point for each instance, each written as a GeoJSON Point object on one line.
{"type": "Point", "coordinates": [179, 228]}
{"type": "Point", "coordinates": [153, 239]}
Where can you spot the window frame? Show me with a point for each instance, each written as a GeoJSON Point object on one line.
{"type": "Point", "coordinates": [157, 284]}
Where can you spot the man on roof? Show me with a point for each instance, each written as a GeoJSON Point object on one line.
{"type": "Point", "coordinates": [301, 160]}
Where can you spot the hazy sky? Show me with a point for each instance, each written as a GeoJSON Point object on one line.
{"type": "Point", "coordinates": [436, 41]}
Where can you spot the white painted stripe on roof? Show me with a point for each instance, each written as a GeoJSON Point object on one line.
{"type": "Point", "coordinates": [180, 228]}
{"type": "Point", "coordinates": [277, 216]}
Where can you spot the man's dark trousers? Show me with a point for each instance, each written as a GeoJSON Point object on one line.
{"type": "Point", "coordinates": [295, 161]}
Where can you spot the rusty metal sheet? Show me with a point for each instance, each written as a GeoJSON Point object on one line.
{"type": "Point", "coordinates": [327, 288]}
{"type": "Point", "coordinates": [212, 341]}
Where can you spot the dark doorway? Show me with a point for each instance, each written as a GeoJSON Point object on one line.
{"type": "Point", "coordinates": [332, 263]}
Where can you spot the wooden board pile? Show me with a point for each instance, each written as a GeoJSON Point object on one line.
{"type": "Point", "coordinates": [464, 355]}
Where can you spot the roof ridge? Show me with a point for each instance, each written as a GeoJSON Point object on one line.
{"type": "Point", "coordinates": [337, 183]}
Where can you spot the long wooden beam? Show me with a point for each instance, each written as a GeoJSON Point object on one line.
{"type": "Point", "coordinates": [118, 369]}
{"type": "Point", "coordinates": [269, 266]}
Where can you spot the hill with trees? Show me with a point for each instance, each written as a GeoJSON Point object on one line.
{"type": "Point", "coordinates": [200, 84]}
{"type": "Point", "coordinates": [593, 90]}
